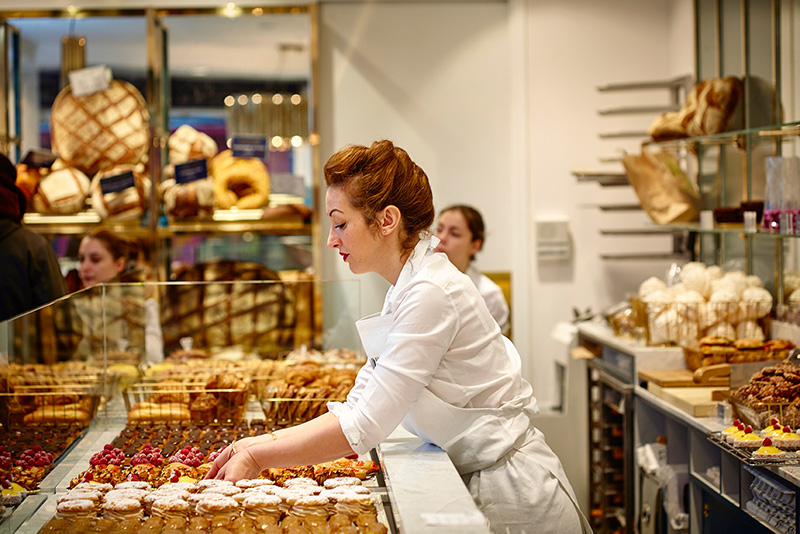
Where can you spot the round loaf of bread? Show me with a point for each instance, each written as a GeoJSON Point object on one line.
{"type": "Point", "coordinates": [100, 130]}
{"type": "Point", "coordinates": [129, 203]}
{"type": "Point", "coordinates": [62, 192]}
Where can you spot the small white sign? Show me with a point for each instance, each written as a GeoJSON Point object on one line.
{"type": "Point", "coordinates": [89, 80]}
{"type": "Point", "coordinates": [443, 519]}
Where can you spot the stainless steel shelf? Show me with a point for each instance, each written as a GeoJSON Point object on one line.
{"type": "Point", "coordinates": [619, 207]}
{"type": "Point", "coordinates": [645, 256]}
{"type": "Point", "coordinates": [623, 135]}
{"type": "Point", "coordinates": [633, 110]}
{"type": "Point", "coordinates": [656, 230]}
{"type": "Point", "coordinates": [605, 179]}
{"type": "Point", "coordinates": [654, 84]}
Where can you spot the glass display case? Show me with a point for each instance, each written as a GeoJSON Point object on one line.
{"type": "Point", "coordinates": [215, 355]}
{"type": "Point", "coordinates": [248, 82]}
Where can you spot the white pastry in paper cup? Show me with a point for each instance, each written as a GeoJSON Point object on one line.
{"type": "Point", "coordinates": [723, 305]}
{"type": "Point", "coordinates": [651, 285]}
{"type": "Point", "coordinates": [688, 333]}
{"type": "Point", "coordinates": [694, 276]}
{"type": "Point", "coordinates": [737, 280]}
{"type": "Point", "coordinates": [749, 330]}
{"type": "Point", "coordinates": [689, 305]}
{"type": "Point", "coordinates": [756, 303]}
{"type": "Point", "coordinates": [715, 272]}
{"type": "Point", "coordinates": [722, 329]}
{"type": "Point", "coordinates": [754, 281]}
{"type": "Point", "coordinates": [663, 328]}
{"type": "Point", "coordinates": [657, 302]}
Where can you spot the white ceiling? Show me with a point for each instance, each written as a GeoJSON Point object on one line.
{"type": "Point", "coordinates": [272, 46]}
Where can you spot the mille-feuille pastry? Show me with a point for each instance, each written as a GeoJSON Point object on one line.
{"type": "Point", "coordinates": [204, 484]}
{"type": "Point", "coordinates": [311, 506]}
{"type": "Point", "coordinates": [93, 486]}
{"type": "Point", "coordinates": [212, 505]}
{"type": "Point", "coordinates": [261, 504]}
{"type": "Point", "coordinates": [121, 508]}
{"type": "Point", "coordinates": [138, 494]}
{"type": "Point", "coordinates": [355, 504]}
{"type": "Point", "coordinates": [170, 507]}
{"type": "Point", "coordinates": [228, 491]}
{"type": "Point", "coordinates": [341, 481]}
{"type": "Point", "coordinates": [134, 484]}
{"type": "Point", "coordinates": [95, 496]}
{"type": "Point", "coordinates": [76, 508]}
{"type": "Point", "coordinates": [299, 481]}
{"type": "Point", "coordinates": [247, 483]}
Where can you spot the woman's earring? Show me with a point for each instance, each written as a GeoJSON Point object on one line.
{"type": "Point", "coordinates": [384, 232]}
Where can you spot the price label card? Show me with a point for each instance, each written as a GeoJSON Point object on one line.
{"type": "Point", "coordinates": [89, 80]}
{"type": "Point", "coordinates": [284, 183]}
{"type": "Point", "coordinates": [117, 183]}
{"type": "Point", "coordinates": [445, 519]}
{"type": "Point", "coordinates": [39, 159]}
{"type": "Point", "coordinates": [191, 171]}
{"type": "Point", "coordinates": [249, 147]}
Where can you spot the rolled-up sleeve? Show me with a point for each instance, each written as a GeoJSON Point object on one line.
{"type": "Point", "coordinates": [424, 324]}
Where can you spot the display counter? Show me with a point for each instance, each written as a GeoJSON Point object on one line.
{"type": "Point", "coordinates": [721, 488]}
{"type": "Point", "coordinates": [420, 488]}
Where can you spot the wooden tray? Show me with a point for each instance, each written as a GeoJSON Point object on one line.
{"type": "Point", "coordinates": [679, 378]}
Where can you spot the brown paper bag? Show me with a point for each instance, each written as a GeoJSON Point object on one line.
{"type": "Point", "coordinates": [664, 190]}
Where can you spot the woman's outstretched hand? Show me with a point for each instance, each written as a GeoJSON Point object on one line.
{"type": "Point", "coordinates": [240, 465]}
{"type": "Point", "coordinates": [234, 463]}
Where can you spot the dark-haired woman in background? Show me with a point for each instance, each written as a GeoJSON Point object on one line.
{"type": "Point", "coordinates": [461, 235]}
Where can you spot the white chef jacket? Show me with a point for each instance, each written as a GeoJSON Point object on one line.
{"type": "Point", "coordinates": [439, 365]}
{"type": "Point", "coordinates": [493, 295]}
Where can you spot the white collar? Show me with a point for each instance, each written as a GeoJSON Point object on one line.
{"type": "Point", "coordinates": [425, 246]}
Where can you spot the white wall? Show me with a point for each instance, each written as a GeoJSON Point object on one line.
{"type": "Point", "coordinates": [497, 102]}
{"type": "Point", "coordinates": [434, 79]}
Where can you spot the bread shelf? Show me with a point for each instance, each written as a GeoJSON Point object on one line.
{"type": "Point", "coordinates": [83, 222]}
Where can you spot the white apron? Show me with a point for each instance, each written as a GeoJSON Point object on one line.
{"type": "Point", "coordinates": [514, 477]}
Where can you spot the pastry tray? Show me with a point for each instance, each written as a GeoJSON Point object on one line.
{"type": "Point", "coordinates": [747, 456]}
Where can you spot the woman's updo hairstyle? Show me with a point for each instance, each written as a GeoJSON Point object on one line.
{"type": "Point", "coordinates": [384, 175]}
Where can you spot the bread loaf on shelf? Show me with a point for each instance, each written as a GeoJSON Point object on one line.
{"type": "Point", "coordinates": [62, 192]}
{"type": "Point", "coordinates": [100, 130]}
{"type": "Point", "coordinates": [129, 203]}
